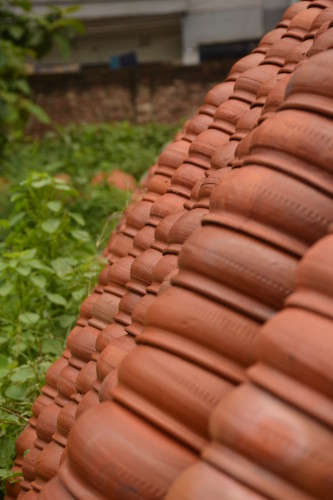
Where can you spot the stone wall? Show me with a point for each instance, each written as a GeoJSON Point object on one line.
{"type": "Point", "coordinates": [160, 93]}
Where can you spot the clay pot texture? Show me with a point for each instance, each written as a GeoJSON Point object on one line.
{"type": "Point", "coordinates": [161, 458]}
{"type": "Point", "coordinates": [190, 326]}
{"type": "Point", "coordinates": [215, 97]}
{"type": "Point", "coordinates": [292, 11]}
{"type": "Point", "coordinates": [274, 99]}
{"type": "Point", "coordinates": [301, 24]}
{"type": "Point", "coordinates": [310, 88]}
{"type": "Point", "coordinates": [202, 480]}
{"type": "Point", "coordinates": [139, 314]}
{"type": "Point", "coordinates": [236, 269]}
{"type": "Point", "coordinates": [158, 398]}
{"type": "Point", "coordinates": [323, 41]}
{"type": "Point", "coordinates": [277, 436]}
{"type": "Point", "coordinates": [269, 39]}
{"type": "Point", "coordinates": [251, 60]}
{"type": "Point", "coordinates": [248, 84]}
{"type": "Point", "coordinates": [259, 201]}
{"type": "Point", "coordinates": [171, 157]}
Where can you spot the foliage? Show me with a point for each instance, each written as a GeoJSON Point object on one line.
{"type": "Point", "coordinates": [48, 253]}
{"type": "Point", "coordinates": [25, 34]}
{"type": "Point", "coordinates": [83, 151]}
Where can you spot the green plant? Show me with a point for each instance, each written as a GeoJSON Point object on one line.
{"type": "Point", "coordinates": [48, 264]}
{"type": "Point", "coordinates": [24, 34]}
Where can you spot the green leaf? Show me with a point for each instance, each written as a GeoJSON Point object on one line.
{"type": "Point", "coordinates": [66, 320]}
{"type": "Point", "coordinates": [52, 346]}
{"type": "Point", "coordinates": [16, 31]}
{"type": "Point", "coordinates": [35, 110]}
{"type": "Point", "coordinates": [22, 374]}
{"type": "Point", "coordinates": [7, 448]}
{"type": "Point", "coordinates": [78, 295]}
{"type": "Point", "coordinates": [39, 281]}
{"type": "Point", "coordinates": [6, 289]}
{"type": "Point", "coordinates": [16, 392]}
{"type": "Point", "coordinates": [81, 235]}
{"type": "Point", "coordinates": [63, 265]}
{"type": "Point", "coordinates": [28, 254]}
{"type": "Point", "coordinates": [5, 362]}
{"type": "Point", "coordinates": [51, 225]}
{"type": "Point", "coordinates": [29, 318]}
{"type": "Point", "coordinates": [55, 298]}
{"type": "Point", "coordinates": [24, 270]}
{"type": "Point", "coordinates": [78, 218]}
{"type": "Point", "coordinates": [54, 206]}
{"type": "Point", "coordinates": [41, 183]}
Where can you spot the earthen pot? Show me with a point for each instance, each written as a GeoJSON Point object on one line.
{"type": "Point", "coordinates": [87, 401]}
{"type": "Point", "coordinates": [310, 87]}
{"type": "Point", "coordinates": [250, 61]}
{"type": "Point", "coordinates": [86, 309]}
{"type": "Point", "coordinates": [171, 157]}
{"type": "Point", "coordinates": [190, 325]}
{"type": "Point", "coordinates": [142, 270]}
{"type": "Point", "coordinates": [83, 343]}
{"type": "Point", "coordinates": [137, 217]}
{"type": "Point", "coordinates": [121, 180]}
{"type": "Point", "coordinates": [202, 480]}
{"type": "Point", "coordinates": [93, 474]}
{"type": "Point", "coordinates": [248, 84]}
{"type": "Point", "coordinates": [246, 123]}
{"type": "Point", "coordinates": [301, 24]}
{"type": "Point", "coordinates": [159, 184]}
{"type": "Point", "coordinates": [295, 142]}
{"type": "Point", "coordinates": [113, 354]}
{"type": "Point", "coordinates": [47, 465]}
{"type": "Point", "coordinates": [157, 398]}
{"type": "Point", "coordinates": [182, 229]}
{"type": "Point", "coordinates": [273, 434]}
{"type": "Point", "coordinates": [323, 41]}
{"type": "Point", "coordinates": [228, 114]}
{"type": "Point", "coordinates": [162, 269]}
{"type": "Point", "coordinates": [163, 229]}
{"type": "Point", "coordinates": [220, 159]}
{"type": "Point", "coordinates": [279, 51]}
{"type": "Point", "coordinates": [65, 422]}
{"type": "Point", "coordinates": [296, 55]}
{"type": "Point", "coordinates": [215, 97]}
{"type": "Point", "coordinates": [103, 310]}
{"type": "Point", "coordinates": [209, 183]}
{"type": "Point", "coordinates": [139, 314]}
{"type": "Point", "coordinates": [205, 145]}
{"type": "Point", "coordinates": [189, 204]}
{"type": "Point", "coordinates": [257, 200]}
{"type": "Point", "coordinates": [120, 248]}
{"type": "Point", "coordinates": [196, 125]}
{"type": "Point", "coordinates": [127, 304]}
{"type": "Point", "coordinates": [66, 384]}
{"type": "Point", "coordinates": [315, 279]}
{"type": "Point", "coordinates": [114, 277]}
{"type": "Point", "coordinates": [296, 359]}
{"type": "Point", "coordinates": [142, 241]}
{"type": "Point", "coordinates": [225, 265]}
{"type": "Point", "coordinates": [269, 39]}
{"type": "Point", "coordinates": [185, 178]}
{"type": "Point", "coordinates": [291, 12]}
{"type": "Point", "coordinates": [274, 99]}
{"type": "Point", "coordinates": [326, 15]}
{"type": "Point", "coordinates": [167, 204]}
{"type": "Point", "coordinates": [86, 377]}
{"type": "Point", "coordinates": [109, 333]}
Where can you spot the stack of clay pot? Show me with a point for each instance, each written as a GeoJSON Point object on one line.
{"type": "Point", "coordinates": [116, 287]}
{"type": "Point", "coordinates": [201, 332]}
{"type": "Point", "coordinates": [273, 436]}
{"type": "Point", "coordinates": [182, 342]}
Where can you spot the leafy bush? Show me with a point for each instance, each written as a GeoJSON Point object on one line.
{"type": "Point", "coordinates": [49, 259]}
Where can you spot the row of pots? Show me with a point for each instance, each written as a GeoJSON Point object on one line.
{"type": "Point", "coordinates": [254, 296]}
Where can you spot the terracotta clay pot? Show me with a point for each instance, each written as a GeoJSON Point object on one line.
{"type": "Point", "coordinates": [295, 142]}
{"type": "Point", "coordinates": [185, 178]}
{"type": "Point", "coordinates": [196, 125]}
{"type": "Point", "coordinates": [224, 265]}
{"type": "Point", "coordinates": [167, 204]}
{"type": "Point", "coordinates": [121, 180]}
{"type": "Point", "coordinates": [126, 434]}
{"type": "Point", "coordinates": [248, 84]}
{"type": "Point", "coordinates": [301, 24]}
{"type": "Point", "coordinates": [278, 52]}
{"type": "Point", "coordinates": [228, 114]}
{"type": "Point", "coordinates": [215, 97]}
{"type": "Point", "coordinates": [137, 218]}
{"type": "Point", "coordinates": [190, 326]}
{"type": "Point", "coordinates": [159, 184]}
{"type": "Point", "coordinates": [326, 15]}
{"type": "Point", "coordinates": [323, 40]}
{"type": "Point", "coordinates": [139, 314]}
{"type": "Point", "coordinates": [274, 99]}
{"type": "Point", "coordinates": [171, 157]}
{"type": "Point", "coordinates": [142, 241]}
{"type": "Point", "coordinates": [114, 277]}
{"type": "Point", "coordinates": [276, 436]}
{"type": "Point", "coordinates": [258, 201]}
{"type": "Point", "coordinates": [291, 12]}
{"type": "Point", "coordinates": [250, 61]}
{"type": "Point", "coordinates": [205, 145]}
{"type": "Point", "coordinates": [269, 39]}
{"type": "Point", "coordinates": [163, 229]}
{"type": "Point", "coordinates": [157, 398]}
{"type": "Point", "coordinates": [126, 306]}
{"type": "Point", "coordinates": [109, 333]}
{"type": "Point", "coordinates": [296, 55]}
{"type": "Point", "coordinates": [201, 480]}
{"type": "Point", "coordinates": [182, 228]}
{"type": "Point", "coordinates": [309, 88]}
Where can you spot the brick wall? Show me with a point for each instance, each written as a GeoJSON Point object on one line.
{"type": "Point", "coordinates": [158, 93]}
